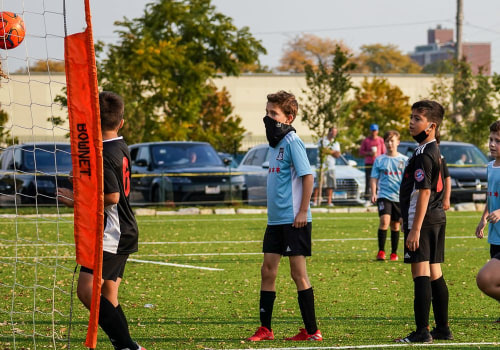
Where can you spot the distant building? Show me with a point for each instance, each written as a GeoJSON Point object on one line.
{"type": "Point", "coordinates": [441, 46]}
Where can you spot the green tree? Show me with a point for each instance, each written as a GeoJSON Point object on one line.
{"type": "Point", "coordinates": [439, 67]}
{"type": "Point", "coordinates": [163, 65]}
{"type": "Point", "coordinates": [471, 102]}
{"type": "Point", "coordinates": [378, 102]}
{"type": "Point", "coordinates": [326, 104]}
{"type": "Point", "coordinates": [4, 131]}
{"type": "Point", "coordinates": [308, 49]}
{"type": "Point", "coordinates": [44, 66]}
{"type": "Point", "coordinates": [378, 58]}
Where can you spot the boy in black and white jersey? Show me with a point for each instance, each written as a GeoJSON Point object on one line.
{"type": "Point", "coordinates": [424, 222]}
{"type": "Point", "coordinates": [120, 228]}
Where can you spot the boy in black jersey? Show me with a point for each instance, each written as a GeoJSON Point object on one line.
{"type": "Point", "coordinates": [120, 228]}
{"type": "Point", "coordinates": [424, 221]}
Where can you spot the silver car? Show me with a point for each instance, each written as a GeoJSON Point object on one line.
{"type": "Point", "coordinates": [350, 181]}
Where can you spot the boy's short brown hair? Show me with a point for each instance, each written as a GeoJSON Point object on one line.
{"type": "Point", "coordinates": [391, 133]}
{"type": "Point", "coordinates": [111, 108]}
{"type": "Point", "coordinates": [285, 101]}
{"type": "Point", "coordinates": [495, 126]}
{"type": "Point", "coordinates": [432, 110]}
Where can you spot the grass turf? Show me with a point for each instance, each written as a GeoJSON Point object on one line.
{"type": "Point", "coordinates": [359, 301]}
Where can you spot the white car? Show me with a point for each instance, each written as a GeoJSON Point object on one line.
{"type": "Point", "coordinates": [255, 165]}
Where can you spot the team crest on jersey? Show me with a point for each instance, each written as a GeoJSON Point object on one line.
{"type": "Point", "coordinates": [401, 164]}
{"type": "Point", "coordinates": [419, 175]}
{"type": "Point", "coordinates": [280, 154]}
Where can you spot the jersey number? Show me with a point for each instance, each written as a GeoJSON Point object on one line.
{"type": "Point", "coordinates": [126, 176]}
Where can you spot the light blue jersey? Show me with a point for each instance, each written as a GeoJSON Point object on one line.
{"type": "Point", "coordinates": [493, 201]}
{"type": "Point", "coordinates": [288, 162]}
{"type": "Point", "coordinates": [389, 172]}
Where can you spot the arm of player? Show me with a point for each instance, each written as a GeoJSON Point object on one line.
{"type": "Point", "coordinates": [111, 198]}
{"type": "Point", "coordinates": [447, 193]}
{"type": "Point", "coordinates": [65, 196]}
{"type": "Point", "coordinates": [307, 187]}
{"type": "Point", "coordinates": [373, 188]}
{"type": "Point", "coordinates": [412, 241]}
{"type": "Point", "coordinates": [482, 223]}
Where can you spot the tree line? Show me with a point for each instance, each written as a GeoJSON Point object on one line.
{"type": "Point", "coordinates": [165, 62]}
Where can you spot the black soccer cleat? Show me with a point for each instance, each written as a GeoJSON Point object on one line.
{"type": "Point", "coordinates": [418, 336]}
{"type": "Point", "coordinates": [438, 333]}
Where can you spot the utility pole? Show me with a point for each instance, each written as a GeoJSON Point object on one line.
{"type": "Point", "coordinates": [460, 19]}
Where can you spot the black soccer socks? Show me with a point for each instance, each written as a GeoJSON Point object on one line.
{"type": "Point", "coordinates": [394, 241]}
{"type": "Point", "coordinates": [306, 304]}
{"type": "Point", "coordinates": [112, 324]}
{"type": "Point", "coordinates": [382, 236]}
{"type": "Point", "coordinates": [422, 301]}
{"type": "Point", "coordinates": [266, 308]}
{"type": "Point", "coordinates": [440, 297]}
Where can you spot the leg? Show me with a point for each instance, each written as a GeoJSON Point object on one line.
{"type": "Point", "coordinates": [422, 292]}
{"type": "Point", "coordinates": [440, 301]}
{"type": "Point", "coordinates": [395, 225]}
{"type": "Point", "coordinates": [488, 279]}
{"type": "Point", "coordinates": [329, 193]}
{"type": "Point", "coordinates": [269, 270]}
{"type": "Point", "coordinates": [382, 232]}
{"type": "Point", "coordinates": [305, 292]}
{"type": "Point", "coordinates": [84, 288]}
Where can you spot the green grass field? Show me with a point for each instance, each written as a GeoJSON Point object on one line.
{"type": "Point", "coordinates": [178, 305]}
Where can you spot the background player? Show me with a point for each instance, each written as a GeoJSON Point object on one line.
{"type": "Point", "coordinates": [288, 232]}
{"type": "Point", "coordinates": [488, 278]}
{"type": "Point", "coordinates": [387, 173]}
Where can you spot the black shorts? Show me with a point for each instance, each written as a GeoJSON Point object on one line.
{"type": "Point", "coordinates": [495, 251]}
{"type": "Point", "coordinates": [431, 245]}
{"type": "Point", "coordinates": [287, 240]}
{"type": "Point", "coordinates": [387, 207]}
{"type": "Point", "coordinates": [113, 266]}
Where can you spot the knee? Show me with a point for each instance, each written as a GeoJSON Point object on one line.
{"type": "Point", "coordinates": [298, 277]}
{"type": "Point", "coordinates": [483, 280]}
{"type": "Point", "coordinates": [85, 296]}
{"type": "Point", "coordinates": [268, 272]}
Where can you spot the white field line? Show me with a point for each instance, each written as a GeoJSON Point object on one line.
{"type": "Point", "coordinates": [175, 265]}
{"type": "Point", "coordinates": [219, 242]}
{"type": "Point", "coordinates": [380, 346]}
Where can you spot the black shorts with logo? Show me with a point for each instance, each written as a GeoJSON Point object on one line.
{"type": "Point", "coordinates": [113, 266]}
{"type": "Point", "coordinates": [388, 207]}
{"type": "Point", "coordinates": [287, 240]}
{"type": "Point", "coordinates": [431, 245]}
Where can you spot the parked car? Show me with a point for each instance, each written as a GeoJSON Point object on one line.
{"type": "Point", "coordinates": [31, 173]}
{"type": "Point", "coordinates": [182, 172]}
{"type": "Point", "coordinates": [467, 166]}
{"type": "Point", "coordinates": [255, 164]}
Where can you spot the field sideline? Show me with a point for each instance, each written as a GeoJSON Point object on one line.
{"type": "Point", "coordinates": [194, 284]}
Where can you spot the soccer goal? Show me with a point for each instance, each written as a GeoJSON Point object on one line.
{"type": "Point", "coordinates": [38, 149]}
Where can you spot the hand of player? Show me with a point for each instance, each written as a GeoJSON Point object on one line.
{"type": "Point", "coordinates": [300, 220]}
{"type": "Point", "coordinates": [65, 196]}
{"type": "Point", "coordinates": [493, 217]}
{"type": "Point", "coordinates": [446, 204]}
{"type": "Point", "coordinates": [480, 229]}
{"type": "Point", "coordinates": [412, 241]}
{"type": "Point", "coordinates": [374, 198]}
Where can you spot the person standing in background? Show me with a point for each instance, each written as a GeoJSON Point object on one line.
{"type": "Point", "coordinates": [371, 147]}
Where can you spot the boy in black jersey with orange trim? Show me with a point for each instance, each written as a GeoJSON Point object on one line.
{"type": "Point", "coordinates": [120, 228]}
{"type": "Point", "coordinates": [424, 221]}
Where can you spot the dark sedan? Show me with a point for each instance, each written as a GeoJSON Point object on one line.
{"type": "Point", "coordinates": [467, 166]}
{"type": "Point", "coordinates": [31, 173]}
{"type": "Point", "coordinates": [182, 173]}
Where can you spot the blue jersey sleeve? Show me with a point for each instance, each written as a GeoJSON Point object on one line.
{"type": "Point", "coordinates": [299, 158]}
{"type": "Point", "coordinates": [375, 169]}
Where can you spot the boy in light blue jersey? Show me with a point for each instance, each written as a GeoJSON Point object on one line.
{"type": "Point", "coordinates": [288, 233]}
{"type": "Point", "coordinates": [488, 278]}
{"type": "Point", "coordinates": [387, 173]}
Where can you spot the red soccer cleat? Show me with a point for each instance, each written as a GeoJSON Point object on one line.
{"type": "Point", "coordinates": [381, 255]}
{"type": "Point", "coordinates": [262, 333]}
{"type": "Point", "coordinates": [394, 257]}
{"type": "Point", "coordinates": [303, 336]}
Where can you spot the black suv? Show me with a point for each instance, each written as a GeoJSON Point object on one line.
{"type": "Point", "coordinates": [182, 172]}
{"type": "Point", "coordinates": [467, 166]}
{"type": "Point", "coordinates": [31, 173]}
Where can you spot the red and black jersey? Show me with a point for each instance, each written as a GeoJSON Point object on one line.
{"type": "Point", "coordinates": [120, 228]}
{"type": "Point", "coordinates": [423, 171]}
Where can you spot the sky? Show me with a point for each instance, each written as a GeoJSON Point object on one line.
{"type": "Point", "coordinates": [356, 22]}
